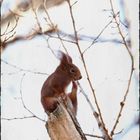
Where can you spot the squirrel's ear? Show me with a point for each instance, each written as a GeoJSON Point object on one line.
{"type": "Point", "coordinates": [64, 58]}
{"type": "Point", "coordinates": [69, 59]}
{"type": "Point", "coordinates": [58, 54]}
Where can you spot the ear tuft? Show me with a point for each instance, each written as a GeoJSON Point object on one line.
{"type": "Point", "coordinates": [59, 54]}
{"type": "Point", "coordinates": [64, 58]}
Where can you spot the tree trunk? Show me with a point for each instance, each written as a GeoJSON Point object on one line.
{"type": "Point", "coordinates": [63, 125]}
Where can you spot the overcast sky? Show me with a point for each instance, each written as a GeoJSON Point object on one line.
{"type": "Point", "coordinates": [108, 64]}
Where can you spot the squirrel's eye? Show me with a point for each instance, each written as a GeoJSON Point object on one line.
{"type": "Point", "coordinates": [72, 70]}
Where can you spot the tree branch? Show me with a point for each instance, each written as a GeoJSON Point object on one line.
{"type": "Point", "coordinates": [94, 136]}
{"type": "Point", "coordinates": [18, 118]}
{"type": "Point", "coordinates": [122, 103]}
{"type": "Point", "coordinates": [22, 69]}
{"type": "Point", "coordinates": [98, 36]}
{"type": "Point", "coordinates": [62, 125]}
{"type": "Point", "coordinates": [96, 115]}
{"type": "Point", "coordinates": [24, 103]}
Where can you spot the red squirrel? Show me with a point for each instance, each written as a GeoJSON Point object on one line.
{"type": "Point", "coordinates": [56, 84]}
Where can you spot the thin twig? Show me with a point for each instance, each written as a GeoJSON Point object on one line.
{"type": "Point", "coordinates": [54, 27]}
{"type": "Point", "coordinates": [46, 12]}
{"type": "Point", "coordinates": [8, 38]}
{"type": "Point", "coordinates": [14, 27]}
{"type": "Point", "coordinates": [18, 118]}
{"type": "Point", "coordinates": [6, 33]}
{"type": "Point", "coordinates": [21, 69]}
{"type": "Point", "coordinates": [98, 35]}
{"type": "Point", "coordinates": [34, 11]}
{"type": "Point", "coordinates": [65, 37]}
{"type": "Point", "coordinates": [24, 103]}
{"type": "Point", "coordinates": [104, 130]}
{"type": "Point", "coordinates": [96, 115]}
{"type": "Point", "coordinates": [10, 73]}
{"type": "Point", "coordinates": [122, 103]}
{"type": "Point", "coordinates": [6, 29]}
{"type": "Point", "coordinates": [86, 97]}
{"type": "Point", "coordinates": [94, 136]}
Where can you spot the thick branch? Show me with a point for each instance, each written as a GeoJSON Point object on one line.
{"type": "Point", "coordinates": [61, 126]}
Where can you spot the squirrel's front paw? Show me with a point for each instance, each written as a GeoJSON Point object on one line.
{"type": "Point", "coordinates": [62, 98]}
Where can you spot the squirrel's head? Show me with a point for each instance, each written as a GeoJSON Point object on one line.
{"type": "Point", "coordinates": [68, 67]}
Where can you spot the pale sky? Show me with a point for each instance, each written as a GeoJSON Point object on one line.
{"type": "Point", "coordinates": [108, 64]}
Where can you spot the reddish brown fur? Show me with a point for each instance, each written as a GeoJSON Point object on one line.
{"type": "Point", "coordinates": [57, 82]}
{"type": "Point", "coordinates": [73, 97]}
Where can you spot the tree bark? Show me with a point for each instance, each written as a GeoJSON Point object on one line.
{"type": "Point", "coordinates": [63, 125]}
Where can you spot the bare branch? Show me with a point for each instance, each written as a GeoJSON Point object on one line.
{"type": "Point", "coordinates": [122, 103]}
{"type": "Point", "coordinates": [96, 115]}
{"type": "Point", "coordinates": [18, 118]}
{"type": "Point", "coordinates": [65, 37]}
{"type": "Point", "coordinates": [21, 69]}
{"type": "Point", "coordinates": [34, 11]}
{"type": "Point", "coordinates": [6, 29]}
{"type": "Point", "coordinates": [98, 35]}
{"type": "Point", "coordinates": [94, 136]}
{"type": "Point", "coordinates": [93, 110]}
{"type": "Point", "coordinates": [10, 73]}
{"type": "Point", "coordinates": [86, 97]}
{"type": "Point", "coordinates": [8, 35]}
{"type": "Point", "coordinates": [24, 103]}
{"type": "Point", "coordinates": [8, 25]}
